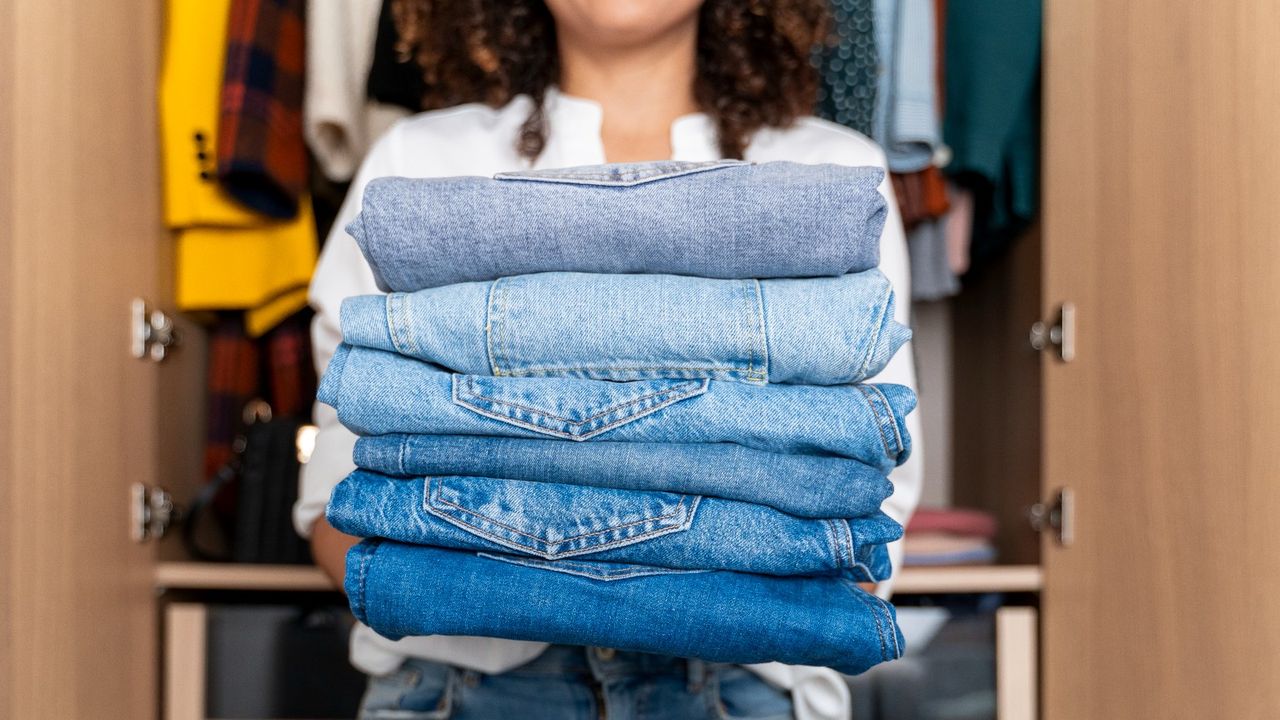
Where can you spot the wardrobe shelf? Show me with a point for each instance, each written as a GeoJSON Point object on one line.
{"type": "Point", "coordinates": [233, 576]}
{"type": "Point", "coordinates": [911, 581]}
{"type": "Point", "coordinates": [969, 579]}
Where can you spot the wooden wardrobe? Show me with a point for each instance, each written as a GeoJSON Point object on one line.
{"type": "Point", "coordinates": [1160, 233]}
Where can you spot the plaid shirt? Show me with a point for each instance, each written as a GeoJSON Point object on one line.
{"type": "Point", "coordinates": [262, 159]}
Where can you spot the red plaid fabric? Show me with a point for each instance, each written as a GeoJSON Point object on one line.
{"type": "Point", "coordinates": [262, 157]}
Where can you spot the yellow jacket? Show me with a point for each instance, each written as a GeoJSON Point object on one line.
{"type": "Point", "coordinates": [227, 256]}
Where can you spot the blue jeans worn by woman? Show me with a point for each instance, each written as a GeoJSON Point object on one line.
{"type": "Point", "coordinates": [576, 683]}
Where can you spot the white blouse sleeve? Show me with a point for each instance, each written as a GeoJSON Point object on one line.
{"type": "Point", "coordinates": [341, 273]}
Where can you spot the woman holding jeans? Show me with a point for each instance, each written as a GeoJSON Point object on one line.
{"type": "Point", "coordinates": [538, 84]}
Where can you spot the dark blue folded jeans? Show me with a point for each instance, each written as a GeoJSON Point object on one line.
{"type": "Point", "coordinates": [401, 590]}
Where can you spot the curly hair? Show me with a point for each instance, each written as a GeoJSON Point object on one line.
{"type": "Point", "coordinates": [753, 58]}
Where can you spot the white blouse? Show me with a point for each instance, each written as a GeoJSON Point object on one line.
{"type": "Point", "coordinates": [478, 140]}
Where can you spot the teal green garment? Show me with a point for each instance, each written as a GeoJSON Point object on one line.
{"type": "Point", "coordinates": [992, 112]}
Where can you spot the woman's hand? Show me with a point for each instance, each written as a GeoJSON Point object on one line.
{"type": "Point", "coordinates": [329, 549]}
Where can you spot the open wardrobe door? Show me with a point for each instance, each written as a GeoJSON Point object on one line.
{"type": "Point", "coordinates": [80, 237]}
{"type": "Point", "coordinates": [1162, 230]}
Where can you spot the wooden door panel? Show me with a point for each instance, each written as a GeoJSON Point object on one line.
{"type": "Point", "coordinates": [1162, 164]}
{"type": "Point", "coordinates": [79, 222]}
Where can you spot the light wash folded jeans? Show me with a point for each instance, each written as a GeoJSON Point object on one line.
{"type": "Point", "coordinates": [402, 590]}
{"type": "Point", "coordinates": [376, 392]}
{"type": "Point", "coordinates": [720, 219]}
{"type": "Point", "coordinates": [554, 522]}
{"type": "Point", "coordinates": [803, 485]}
{"type": "Point", "coordinates": [816, 331]}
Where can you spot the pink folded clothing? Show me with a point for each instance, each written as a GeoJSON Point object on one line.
{"type": "Point", "coordinates": [941, 548]}
{"type": "Point", "coordinates": [957, 521]}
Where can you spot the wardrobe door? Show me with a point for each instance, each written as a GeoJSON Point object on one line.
{"type": "Point", "coordinates": [80, 236]}
{"type": "Point", "coordinates": [1161, 225]}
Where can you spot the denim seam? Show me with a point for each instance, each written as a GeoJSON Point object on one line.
{"type": "Point", "coordinates": [599, 372]}
{"type": "Point", "coordinates": [568, 569]}
{"type": "Point", "coordinates": [762, 333]}
{"type": "Point", "coordinates": [399, 330]}
{"type": "Point", "coordinates": [836, 548]}
{"type": "Point", "coordinates": [832, 544]}
{"type": "Point", "coordinates": [569, 421]}
{"type": "Point", "coordinates": [681, 392]}
{"type": "Point", "coordinates": [861, 596]}
{"type": "Point", "coordinates": [882, 412]}
{"type": "Point", "coordinates": [866, 570]}
{"type": "Point", "coordinates": [897, 650]}
{"type": "Point", "coordinates": [610, 179]}
{"type": "Point", "coordinates": [752, 341]}
{"type": "Point", "coordinates": [498, 329]}
{"type": "Point", "coordinates": [404, 448]}
{"type": "Point", "coordinates": [488, 328]}
{"type": "Point", "coordinates": [364, 560]}
{"type": "Point", "coordinates": [874, 338]}
{"type": "Point", "coordinates": [848, 536]}
{"type": "Point", "coordinates": [433, 496]}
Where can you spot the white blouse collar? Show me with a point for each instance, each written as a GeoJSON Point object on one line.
{"type": "Point", "coordinates": [574, 123]}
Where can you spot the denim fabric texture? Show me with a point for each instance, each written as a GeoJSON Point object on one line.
{"type": "Point", "coordinates": [720, 219]}
{"type": "Point", "coordinates": [622, 406]}
{"type": "Point", "coordinates": [808, 486]}
{"type": "Point", "coordinates": [377, 392]}
{"type": "Point", "coordinates": [819, 331]}
{"type": "Point", "coordinates": [575, 683]}
{"type": "Point", "coordinates": [662, 530]}
{"type": "Point", "coordinates": [719, 616]}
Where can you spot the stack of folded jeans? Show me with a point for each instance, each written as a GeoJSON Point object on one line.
{"type": "Point", "coordinates": [579, 424]}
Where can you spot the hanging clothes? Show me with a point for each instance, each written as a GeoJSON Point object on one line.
{"type": "Point", "coordinates": [848, 69]}
{"type": "Point", "coordinates": [339, 121]}
{"type": "Point", "coordinates": [262, 159]}
{"type": "Point", "coordinates": [992, 114]}
{"type": "Point", "coordinates": [227, 256]}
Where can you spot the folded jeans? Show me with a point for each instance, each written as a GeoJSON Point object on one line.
{"type": "Point", "coordinates": [376, 392]}
{"type": "Point", "coordinates": [807, 486]}
{"type": "Point", "coordinates": [550, 521]}
{"type": "Point", "coordinates": [816, 331]}
{"type": "Point", "coordinates": [720, 219]}
{"type": "Point", "coordinates": [401, 590]}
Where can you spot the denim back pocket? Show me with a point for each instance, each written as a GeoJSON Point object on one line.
{"type": "Point", "coordinates": [552, 521]}
{"type": "Point", "coordinates": [619, 174]}
{"type": "Point", "coordinates": [569, 408]}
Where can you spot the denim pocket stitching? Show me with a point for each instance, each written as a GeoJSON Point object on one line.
{"type": "Point", "coordinates": [611, 179]}
{"type": "Point", "coordinates": [882, 411]}
{"type": "Point", "coordinates": [432, 498]}
{"type": "Point", "coordinates": [874, 339]}
{"type": "Point", "coordinates": [681, 391]}
{"type": "Point", "coordinates": [567, 568]}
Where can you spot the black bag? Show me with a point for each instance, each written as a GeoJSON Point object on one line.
{"type": "Point", "coordinates": [264, 476]}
